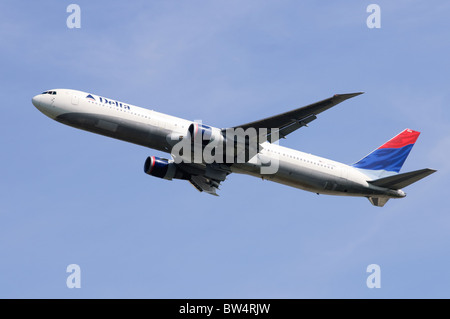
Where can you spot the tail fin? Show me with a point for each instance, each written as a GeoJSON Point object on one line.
{"type": "Point", "coordinates": [388, 159]}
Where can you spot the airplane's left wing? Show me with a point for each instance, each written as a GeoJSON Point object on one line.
{"type": "Point", "coordinates": [203, 184]}
{"type": "Point", "coordinates": [290, 121]}
{"type": "Point", "coordinates": [205, 177]}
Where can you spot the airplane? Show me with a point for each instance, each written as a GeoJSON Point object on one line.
{"type": "Point", "coordinates": [376, 176]}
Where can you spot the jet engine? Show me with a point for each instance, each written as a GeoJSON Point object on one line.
{"type": "Point", "coordinates": [163, 168]}
{"type": "Point", "coordinates": [224, 146]}
{"type": "Point", "coordinates": [205, 134]}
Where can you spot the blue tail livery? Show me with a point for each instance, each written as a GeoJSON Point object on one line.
{"type": "Point", "coordinates": [388, 159]}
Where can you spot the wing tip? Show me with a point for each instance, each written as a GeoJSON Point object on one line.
{"type": "Point", "coordinates": [348, 95]}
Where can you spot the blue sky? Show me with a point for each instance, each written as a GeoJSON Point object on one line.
{"type": "Point", "coordinates": [73, 197]}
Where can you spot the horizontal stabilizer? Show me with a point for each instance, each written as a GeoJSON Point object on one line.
{"type": "Point", "coordinates": [402, 180]}
{"type": "Point", "coordinates": [378, 201]}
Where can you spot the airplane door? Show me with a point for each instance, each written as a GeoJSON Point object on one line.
{"type": "Point", "coordinates": [75, 99]}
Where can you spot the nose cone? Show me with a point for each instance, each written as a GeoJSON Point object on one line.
{"type": "Point", "coordinates": [36, 100]}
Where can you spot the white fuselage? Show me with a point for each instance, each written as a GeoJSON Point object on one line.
{"type": "Point", "coordinates": [160, 131]}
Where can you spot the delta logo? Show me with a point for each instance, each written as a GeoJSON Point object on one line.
{"type": "Point", "coordinates": [90, 97]}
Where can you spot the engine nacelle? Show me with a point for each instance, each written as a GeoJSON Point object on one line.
{"type": "Point", "coordinates": [163, 168]}
{"type": "Point", "coordinates": [226, 146]}
{"type": "Point", "coordinates": [205, 134]}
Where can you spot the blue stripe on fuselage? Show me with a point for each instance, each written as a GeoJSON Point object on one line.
{"type": "Point", "coordinates": [389, 159]}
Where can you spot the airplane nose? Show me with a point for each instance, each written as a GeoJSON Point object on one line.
{"type": "Point", "coordinates": [36, 100]}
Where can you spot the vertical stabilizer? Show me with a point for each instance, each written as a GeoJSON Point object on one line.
{"type": "Point", "coordinates": [388, 159]}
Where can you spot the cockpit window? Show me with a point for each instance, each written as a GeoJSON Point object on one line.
{"type": "Point", "coordinates": [49, 92]}
{"type": "Point", "coordinates": [44, 92]}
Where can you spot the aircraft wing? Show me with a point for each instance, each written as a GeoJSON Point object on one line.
{"type": "Point", "coordinates": [290, 121]}
{"type": "Point", "coordinates": [205, 177]}
{"type": "Point", "coordinates": [203, 184]}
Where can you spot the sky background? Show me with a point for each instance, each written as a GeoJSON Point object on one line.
{"type": "Point", "coordinates": [73, 197]}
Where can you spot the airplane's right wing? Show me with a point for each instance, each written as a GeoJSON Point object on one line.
{"type": "Point", "coordinates": [290, 121]}
{"type": "Point", "coordinates": [207, 177]}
